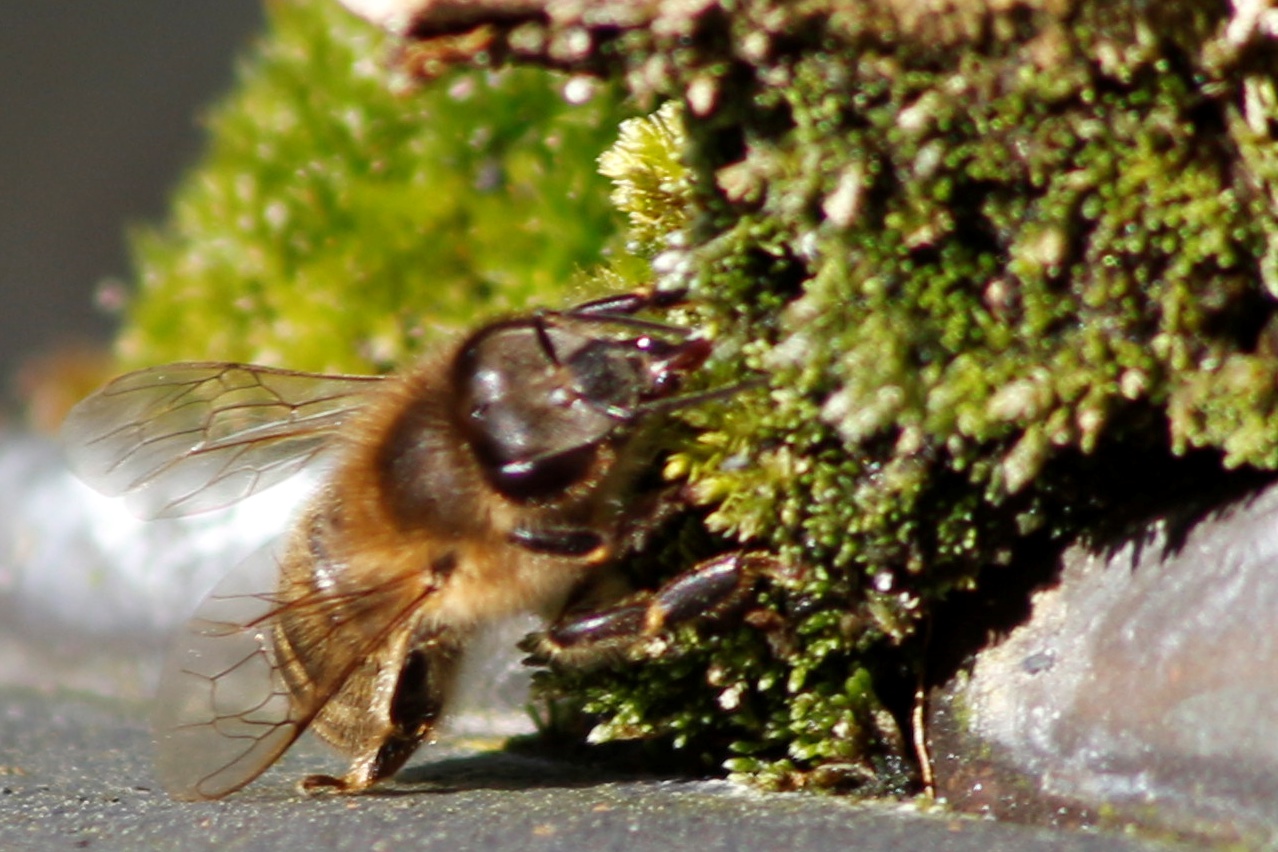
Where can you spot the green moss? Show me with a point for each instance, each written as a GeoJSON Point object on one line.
{"type": "Point", "coordinates": [342, 217]}
{"type": "Point", "coordinates": [992, 282]}
{"type": "Point", "coordinates": [650, 183]}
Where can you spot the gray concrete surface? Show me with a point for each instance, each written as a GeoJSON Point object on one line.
{"type": "Point", "coordinates": [74, 773]}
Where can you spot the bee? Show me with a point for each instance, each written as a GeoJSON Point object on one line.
{"type": "Point", "coordinates": [494, 477]}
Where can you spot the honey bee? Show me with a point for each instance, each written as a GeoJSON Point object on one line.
{"type": "Point", "coordinates": [493, 478]}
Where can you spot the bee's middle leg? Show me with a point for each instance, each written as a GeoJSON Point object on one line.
{"type": "Point", "coordinates": [707, 593]}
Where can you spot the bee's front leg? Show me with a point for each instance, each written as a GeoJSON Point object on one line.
{"type": "Point", "coordinates": [625, 304]}
{"type": "Point", "coordinates": [709, 592]}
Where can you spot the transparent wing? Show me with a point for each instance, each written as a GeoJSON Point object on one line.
{"type": "Point", "coordinates": [225, 708]}
{"type": "Point", "coordinates": [223, 713]}
{"type": "Point", "coordinates": [186, 438]}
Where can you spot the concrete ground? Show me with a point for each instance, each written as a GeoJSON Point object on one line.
{"type": "Point", "coordinates": [74, 773]}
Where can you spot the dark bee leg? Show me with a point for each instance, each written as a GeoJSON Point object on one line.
{"type": "Point", "coordinates": [558, 541]}
{"type": "Point", "coordinates": [619, 311]}
{"type": "Point", "coordinates": [626, 304]}
{"type": "Point", "coordinates": [406, 700]}
{"type": "Point", "coordinates": [651, 509]}
{"type": "Point", "coordinates": [707, 593]}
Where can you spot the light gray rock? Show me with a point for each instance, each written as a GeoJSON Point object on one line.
{"type": "Point", "coordinates": [1143, 687]}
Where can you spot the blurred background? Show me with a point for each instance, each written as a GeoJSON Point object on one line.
{"type": "Point", "coordinates": [99, 116]}
{"type": "Point", "coordinates": [100, 111]}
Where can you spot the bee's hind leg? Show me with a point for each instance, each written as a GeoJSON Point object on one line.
{"type": "Point", "coordinates": [395, 711]}
{"type": "Point", "coordinates": [709, 592]}
{"type": "Point", "coordinates": [368, 768]}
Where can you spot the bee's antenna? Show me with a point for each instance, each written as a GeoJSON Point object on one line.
{"type": "Point", "coordinates": [687, 400]}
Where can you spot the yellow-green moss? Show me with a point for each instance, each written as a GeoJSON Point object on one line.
{"type": "Point", "coordinates": [341, 217]}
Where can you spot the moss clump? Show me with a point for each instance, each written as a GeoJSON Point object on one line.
{"type": "Point", "coordinates": [1002, 268]}
{"type": "Point", "coordinates": [342, 217]}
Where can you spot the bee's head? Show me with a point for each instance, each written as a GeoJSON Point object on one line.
{"type": "Point", "coordinates": [541, 396]}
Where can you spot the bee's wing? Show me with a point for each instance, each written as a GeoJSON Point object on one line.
{"type": "Point", "coordinates": [224, 709]}
{"type": "Point", "coordinates": [223, 712]}
{"type": "Point", "coordinates": [190, 437]}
